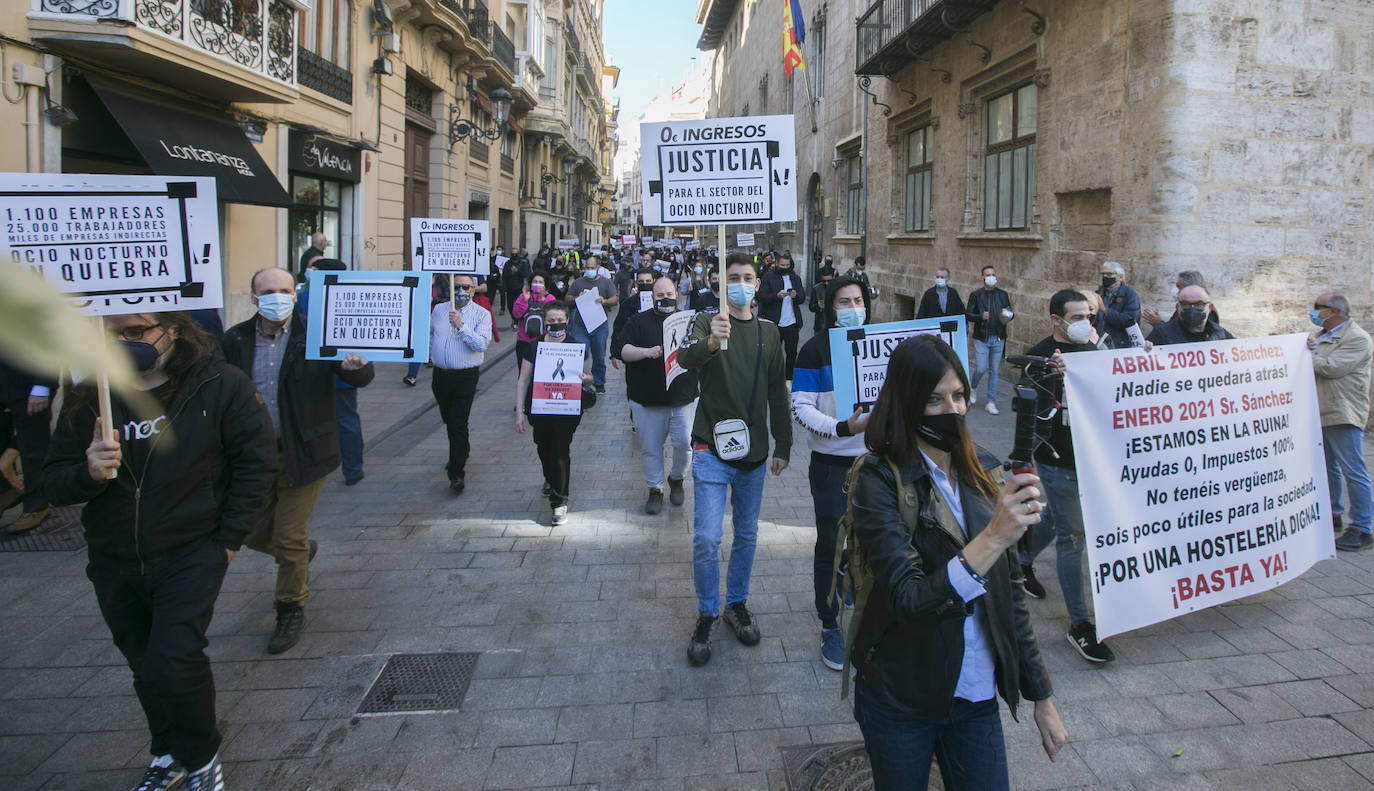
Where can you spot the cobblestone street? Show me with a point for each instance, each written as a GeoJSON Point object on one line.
{"type": "Point", "coordinates": [582, 679]}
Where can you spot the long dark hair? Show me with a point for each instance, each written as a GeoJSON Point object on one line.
{"type": "Point", "coordinates": [915, 369]}
{"type": "Point", "coordinates": [191, 345]}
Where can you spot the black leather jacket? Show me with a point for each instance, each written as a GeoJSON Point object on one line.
{"type": "Point", "coordinates": [910, 645]}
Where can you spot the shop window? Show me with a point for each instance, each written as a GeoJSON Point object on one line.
{"type": "Point", "coordinates": [316, 206]}
{"type": "Point", "coordinates": [1009, 163]}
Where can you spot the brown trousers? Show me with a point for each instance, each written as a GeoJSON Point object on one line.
{"type": "Point", "coordinates": [285, 535]}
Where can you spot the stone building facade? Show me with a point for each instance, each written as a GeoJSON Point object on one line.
{"type": "Point", "coordinates": [1047, 137]}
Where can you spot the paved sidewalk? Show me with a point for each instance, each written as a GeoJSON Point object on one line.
{"type": "Point", "coordinates": [583, 681]}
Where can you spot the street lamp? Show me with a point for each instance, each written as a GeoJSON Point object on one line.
{"type": "Point", "coordinates": [569, 164]}
{"type": "Point", "coordinates": [460, 128]}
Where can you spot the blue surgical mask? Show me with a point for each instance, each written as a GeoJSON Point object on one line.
{"type": "Point", "coordinates": [1315, 316]}
{"type": "Point", "coordinates": [739, 294]}
{"type": "Point", "coordinates": [275, 307]}
{"type": "Point", "coordinates": [940, 282]}
{"type": "Point", "coordinates": [850, 317]}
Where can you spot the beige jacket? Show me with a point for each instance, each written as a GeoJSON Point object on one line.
{"type": "Point", "coordinates": [1342, 366]}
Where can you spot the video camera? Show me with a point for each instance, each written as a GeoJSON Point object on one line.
{"type": "Point", "coordinates": [1036, 403]}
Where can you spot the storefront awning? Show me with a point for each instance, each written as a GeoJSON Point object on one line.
{"type": "Point", "coordinates": [178, 142]}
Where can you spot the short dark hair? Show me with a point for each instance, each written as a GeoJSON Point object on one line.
{"type": "Point", "coordinates": [832, 290]}
{"type": "Point", "coordinates": [544, 273]}
{"type": "Point", "coordinates": [741, 259]}
{"type": "Point", "coordinates": [1061, 299]}
{"type": "Point", "coordinates": [985, 269]}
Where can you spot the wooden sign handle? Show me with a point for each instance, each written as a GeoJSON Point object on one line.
{"type": "Point", "coordinates": [107, 429]}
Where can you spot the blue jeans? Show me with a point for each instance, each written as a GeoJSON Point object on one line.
{"type": "Point", "coordinates": [596, 345]}
{"type": "Point", "coordinates": [987, 358]}
{"type": "Point", "coordinates": [968, 744]}
{"type": "Point", "coordinates": [1062, 522]}
{"type": "Point", "coordinates": [350, 431]}
{"type": "Point", "coordinates": [1343, 446]}
{"type": "Point", "coordinates": [413, 369]}
{"type": "Point", "coordinates": [710, 476]}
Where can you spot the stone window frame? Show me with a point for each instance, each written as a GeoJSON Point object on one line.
{"type": "Point", "coordinates": [1015, 146]}
{"type": "Point", "coordinates": [899, 127]}
{"type": "Point", "coordinates": [847, 150]}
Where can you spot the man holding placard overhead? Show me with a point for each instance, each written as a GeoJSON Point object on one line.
{"type": "Point", "coordinates": [270, 348]}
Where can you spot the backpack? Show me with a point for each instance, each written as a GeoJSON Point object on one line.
{"type": "Point", "coordinates": [532, 323]}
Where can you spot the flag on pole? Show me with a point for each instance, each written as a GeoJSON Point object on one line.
{"type": "Point", "coordinates": [793, 34]}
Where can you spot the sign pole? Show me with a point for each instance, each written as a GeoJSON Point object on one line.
{"type": "Point", "coordinates": [452, 298]}
{"type": "Point", "coordinates": [720, 270]}
{"type": "Point", "coordinates": [107, 430]}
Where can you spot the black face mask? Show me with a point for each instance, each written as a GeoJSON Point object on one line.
{"type": "Point", "coordinates": [666, 305]}
{"type": "Point", "coordinates": [646, 286]}
{"type": "Point", "coordinates": [1194, 319]}
{"type": "Point", "coordinates": [715, 285]}
{"type": "Point", "coordinates": [142, 355]}
{"type": "Point", "coordinates": [1108, 281]}
{"type": "Point", "coordinates": [943, 432]}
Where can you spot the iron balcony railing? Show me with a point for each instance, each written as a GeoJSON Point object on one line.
{"type": "Point", "coordinates": [892, 33]}
{"type": "Point", "coordinates": [574, 45]}
{"type": "Point", "coordinates": [259, 35]}
{"type": "Point", "coordinates": [477, 21]}
{"type": "Point", "coordinates": [502, 49]}
{"type": "Point", "coordinates": [319, 74]}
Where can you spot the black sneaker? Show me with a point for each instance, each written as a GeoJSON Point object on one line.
{"type": "Point", "coordinates": [410, 380]}
{"type": "Point", "coordinates": [290, 624]}
{"type": "Point", "coordinates": [458, 485]}
{"type": "Point", "coordinates": [208, 778]}
{"type": "Point", "coordinates": [739, 619]}
{"type": "Point", "coordinates": [1032, 585]}
{"type": "Point", "coordinates": [1337, 524]}
{"type": "Point", "coordinates": [1353, 540]}
{"type": "Point", "coordinates": [699, 650]}
{"type": "Point", "coordinates": [601, 389]}
{"type": "Point", "coordinates": [1083, 637]}
{"type": "Point", "coordinates": [654, 505]}
{"type": "Point", "coordinates": [676, 495]}
{"type": "Point", "coordinates": [314, 549]}
{"type": "Point", "coordinates": [161, 778]}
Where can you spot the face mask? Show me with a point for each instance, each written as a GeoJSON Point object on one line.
{"type": "Point", "coordinates": [715, 285]}
{"type": "Point", "coordinates": [990, 281]}
{"type": "Point", "coordinates": [275, 307]}
{"type": "Point", "coordinates": [940, 282]}
{"type": "Point", "coordinates": [142, 355]}
{"type": "Point", "coordinates": [461, 298]}
{"type": "Point", "coordinates": [696, 269]}
{"type": "Point", "coordinates": [646, 286]}
{"type": "Point", "coordinates": [537, 288]}
{"type": "Point", "coordinates": [591, 274]}
{"type": "Point", "coordinates": [740, 294]}
{"type": "Point", "coordinates": [666, 305]}
{"type": "Point", "coordinates": [850, 317]}
{"type": "Point", "coordinates": [1315, 316]}
{"type": "Point", "coordinates": [557, 331]}
{"type": "Point", "coordinates": [1108, 281]}
{"type": "Point", "coordinates": [1079, 331]}
{"type": "Point", "coordinates": [943, 432]}
{"type": "Point", "coordinates": [1174, 291]}
{"type": "Point", "coordinates": [1193, 318]}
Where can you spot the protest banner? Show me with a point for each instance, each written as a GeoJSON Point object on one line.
{"type": "Point", "coordinates": [719, 171]}
{"type": "Point", "coordinates": [568, 244]}
{"type": "Point", "coordinates": [383, 316]}
{"type": "Point", "coordinates": [859, 355]}
{"type": "Point", "coordinates": [117, 244]}
{"type": "Point", "coordinates": [646, 301]}
{"type": "Point", "coordinates": [743, 240]}
{"type": "Point", "coordinates": [675, 329]}
{"type": "Point", "coordinates": [629, 239]}
{"type": "Point", "coordinates": [557, 383]}
{"type": "Point", "coordinates": [458, 247]}
{"type": "Point", "coordinates": [1200, 473]}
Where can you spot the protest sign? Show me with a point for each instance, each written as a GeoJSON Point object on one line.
{"type": "Point", "coordinates": [743, 240]}
{"type": "Point", "coordinates": [646, 301]}
{"type": "Point", "coordinates": [500, 263]}
{"type": "Point", "coordinates": [383, 316]}
{"type": "Point", "coordinates": [117, 244]}
{"type": "Point", "coordinates": [458, 247]}
{"type": "Point", "coordinates": [859, 355]}
{"type": "Point", "coordinates": [557, 385]}
{"type": "Point", "coordinates": [719, 170]}
{"type": "Point", "coordinates": [589, 310]}
{"type": "Point", "coordinates": [675, 329]}
{"type": "Point", "coordinates": [629, 239]}
{"type": "Point", "coordinates": [568, 244]}
{"type": "Point", "coordinates": [1200, 473]}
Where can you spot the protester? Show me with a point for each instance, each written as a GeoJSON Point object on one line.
{"type": "Point", "coordinates": [988, 311]}
{"type": "Point", "coordinates": [633, 305]}
{"type": "Point", "coordinates": [859, 272]}
{"type": "Point", "coordinates": [1185, 278]}
{"type": "Point", "coordinates": [781, 296]}
{"type": "Point", "coordinates": [162, 532]}
{"type": "Point", "coordinates": [318, 244]}
{"type": "Point", "coordinates": [1341, 354]}
{"type": "Point", "coordinates": [945, 628]}
{"type": "Point", "coordinates": [1122, 305]}
{"type": "Point", "coordinates": [350, 424]}
{"type": "Point", "coordinates": [1193, 321]}
{"type": "Point", "coordinates": [459, 334]}
{"type": "Point", "coordinates": [553, 434]}
{"type": "Point", "coordinates": [28, 399]}
{"type": "Point", "coordinates": [940, 299]}
{"type": "Point", "coordinates": [816, 302]}
{"type": "Point", "coordinates": [1062, 519]}
{"type": "Point", "coordinates": [659, 411]}
{"type": "Point", "coordinates": [835, 443]}
{"type": "Point", "coordinates": [528, 312]}
{"type": "Point", "coordinates": [596, 339]}
{"type": "Point", "coordinates": [513, 279]}
{"type": "Point", "coordinates": [299, 394]}
{"type": "Point", "coordinates": [743, 394]}
{"type": "Point", "coordinates": [707, 298]}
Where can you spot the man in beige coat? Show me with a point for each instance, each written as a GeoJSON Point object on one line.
{"type": "Point", "coordinates": [1341, 354]}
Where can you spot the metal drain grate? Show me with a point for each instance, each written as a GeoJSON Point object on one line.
{"type": "Point", "coordinates": [60, 532]}
{"type": "Point", "coordinates": [841, 766]}
{"type": "Point", "coordinates": [416, 683]}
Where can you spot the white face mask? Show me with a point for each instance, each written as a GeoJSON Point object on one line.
{"type": "Point", "coordinates": [990, 281]}
{"type": "Point", "coordinates": [1079, 331]}
{"type": "Point", "coordinates": [940, 282]}
{"type": "Point", "coordinates": [1174, 291]}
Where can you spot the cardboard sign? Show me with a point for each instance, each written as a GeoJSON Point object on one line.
{"type": "Point", "coordinates": [568, 244]}
{"type": "Point", "coordinates": [744, 240]}
{"type": "Point", "coordinates": [1202, 467]}
{"type": "Point", "coordinates": [117, 244]}
{"type": "Point", "coordinates": [719, 171]}
{"type": "Point", "coordinates": [384, 316]}
{"type": "Point", "coordinates": [557, 384]}
{"type": "Point", "coordinates": [675, 329]}
{"type": "Point", "coordinates": [859, 356]}
{"type": "Point", "coordinates": [459, 247]}
{"type": "Point", "coordinates": [629, 239]}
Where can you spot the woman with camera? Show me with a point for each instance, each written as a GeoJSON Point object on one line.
{"type": "Point", "coordinates": [945, 629]}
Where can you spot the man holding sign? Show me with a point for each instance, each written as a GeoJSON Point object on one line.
{"type": "Point", "coordinates": [459, 333]}
{"type": "Point", "coordinates": [589, 325]}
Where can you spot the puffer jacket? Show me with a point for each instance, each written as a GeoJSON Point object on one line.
{"type": "Point", "coordinates": [1342, 367]}
{"type": "Point", "coordinates": [910, 646]}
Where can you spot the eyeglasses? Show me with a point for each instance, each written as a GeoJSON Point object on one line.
{"type": "Point", "coordinates": [1202, 303]}
{"type": "Point", "coordinates": [133, 333]}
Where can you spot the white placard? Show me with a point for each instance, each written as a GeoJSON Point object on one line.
{"type": "Point", "coordinates": [117, 244]}
{"type": "Point", "coordinates": [589, 310]}
{"type": "Point", "coordinates": [568, 244]}
{"type": "Point", "coordinates": [1137, 337]}
{"type": "Point", "coordinates": [459, 247]}
{"type": "Point", "coordinates": [557, 383]}
{"type": "Point", "coordinates": [675, 329]}
{"type": "Point", "coordinates": [744, 240]}
{"type": "Point", "coordinates": [719, 171]}
{"type": "Point", "coordinates": [1200, 472]}
{"type": "Point", "coordinates": [646, 301]}
{"type": "Point", "coordinates": [500, 263]}
{"type": "Point", "coordinates": [629, 239]}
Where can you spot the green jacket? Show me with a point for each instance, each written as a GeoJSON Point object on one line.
{"type": "Point", "coordinates": [726, 376]}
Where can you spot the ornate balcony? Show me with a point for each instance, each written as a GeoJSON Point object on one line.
{"type": "Point", "coordinates": [477, 21]}
{"type": "Point", "coordinates": [241, 50]}
{"type": "Point", "coordinates": [503, 51]}
{"type": "Point", "coordinates": [319, 74]}
{"type": "Point", "coordinates": [574, 45]}
{"type": "Point", "coordinates": [893, 33]}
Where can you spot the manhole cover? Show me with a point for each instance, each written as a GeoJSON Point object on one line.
{"type": "Point", "coordinates": [840, 766]}
{"type": "Point", "coordinates": [413, 683]}
{"type": "Point", "coordinates": [60, 532]}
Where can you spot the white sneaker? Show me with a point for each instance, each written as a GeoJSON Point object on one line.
{"type": "Point", "coordinates": [973, 398]}
{"type": "Point", "coordinates": [992, 409]}
{"type": "Point", "coordinates": [560, 515]}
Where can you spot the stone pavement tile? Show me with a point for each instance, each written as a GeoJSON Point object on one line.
{"type": "Point", "coordinates": [115, 711]}
{"type": "Point", "coordinates": [1246, 615]}
{"type": "Point", "coordinates": [276, 705]}
{"type": "Point", "coordinates": [49, 682]}
{"type": "Point", "coordinates": [1346, 607]}
{"type": "Point", "coordinates": [437, 732]}
{"type": "Point", "coordinates": [1254, 640]}
{"type": "Point", "coordinates": [1362, 763]}
{"type": "Point", "coordinates": [95, 751]}
{"type": "Point", "coordinates": [1211, 619]}
{"type": "Point", "coordinates": [801, 707]}
{"type": "Point", "coordinates": [1327, 773]}
{"type": "Point", "coordinates": [1120, 759]}
{"type": "Point", "coordinates": [447, 770]}
{"type": "Point", "coordinates": [27, 716]}
{"type": "Point", "coordinates": [525, 767]}
{"type": "Point", "coordinates": [511, 727]}
{"type": "Point", "coordinates": [1030, 769]}
{"type": "Point", "coordinates": [485, 694]}
{"type": "Point", "coordinates": [1140, 650]}
{"type": "Point", "coordinates": [714, 679]}
{"type": "Point", "coordinates": [616, 763]}
{"type": "Point", "coordinates": [1198, 675]}
{"type": "Point", "coordinates": [1255, 704]}
{"type": "Point", "coordinates": [838, 732]}
{"type": "Point", "coordinates": [1341, 584]}
{"type": "Point", "coordinates": [1358, 687]}
{"type": "Point", "coordinates": [275, 740]}
{"type": "Point", "coordinates": [1132, 681]}
{"type": "Point", "coordinates": [1187, 711]}
{"type": "Point", "coordinates": [1122, 716]}
{"type": "Point", "coordinates": [695, 754]}
{"type": "Point", "coordinates": [744, 712]}
{"type": "Point", "coordinates": [35, 782]}
{"type": "Point", "coordinates": [1199, 750]}
{"type": "Point", "coordinates": [1249, 780]}
{"type": "Point", "coordinates": [758, 750]}
{"type": "Point", "coordinates": [1314, 697]}
{"type": "Point", "coordinates": [23, 754]}
{"type": "Point", "coordinates": [1356, 657]}
{"type": "Point", "coordinates": [1305, 636]}
{"type": "Point", "coordinates": [781, 677]}
{"type": "Point", "coordinates": [1082, 684]}
{"type": "Point", "coordinates": [670, 717]}
{"type": "Point", "coordinates": [1359, 722]}
{"type": "Point", "coordinates": [611, 721]}
{"type": "Point", "coordinates": [744, 781]}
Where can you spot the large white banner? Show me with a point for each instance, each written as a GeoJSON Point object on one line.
{"type": "Point", "coordinates": [719, 171]}
{"type": "Point", "coordinates": [117, 244]}
{"type": "Point", "coordinates": [1200, 473]}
